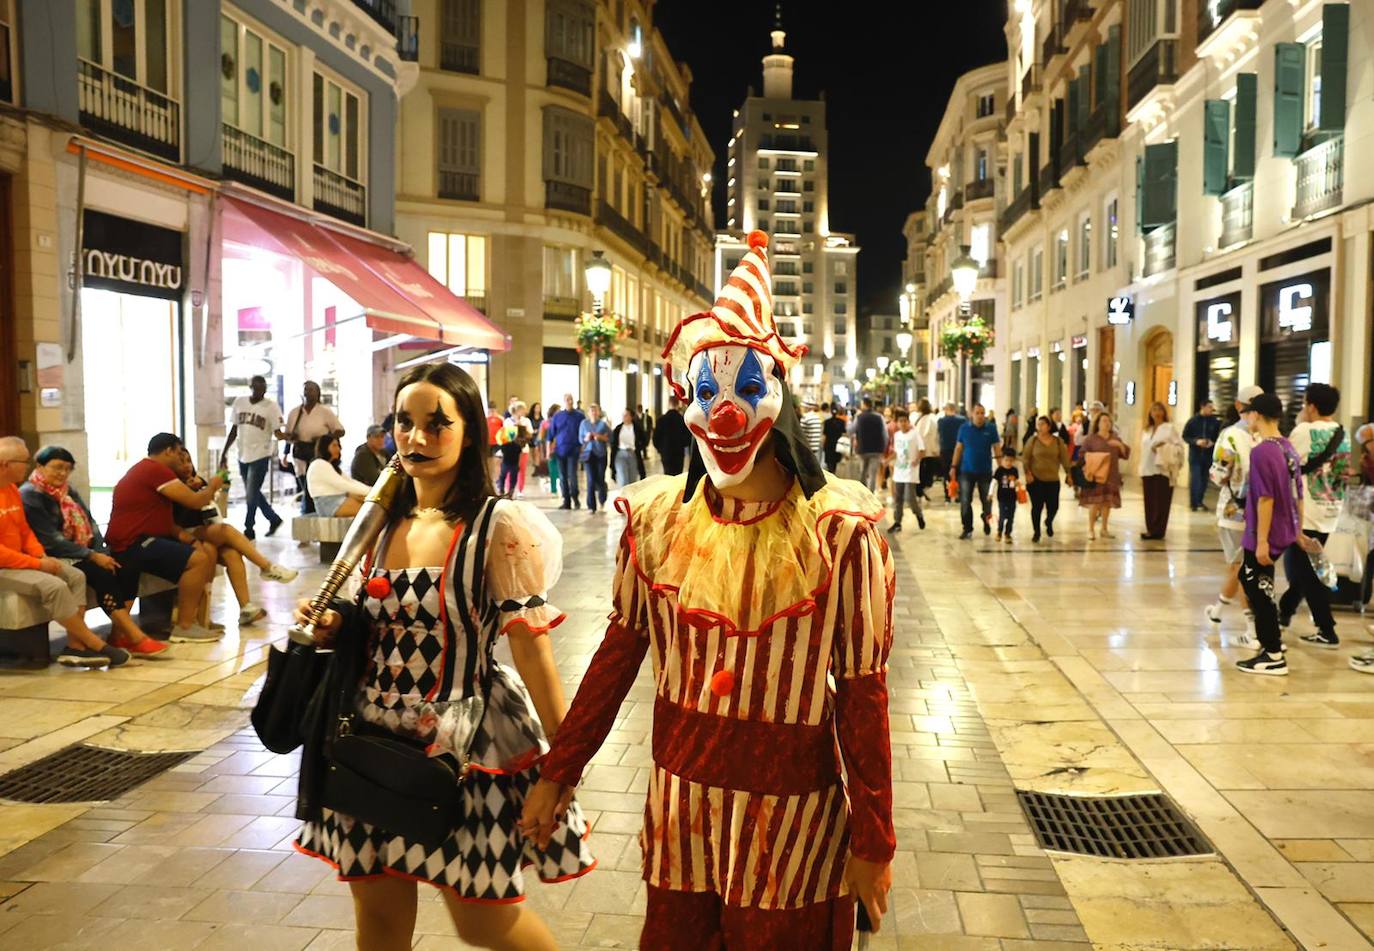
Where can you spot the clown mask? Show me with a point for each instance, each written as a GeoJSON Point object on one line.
{"type": "Point", "coordinates": [734, 400]}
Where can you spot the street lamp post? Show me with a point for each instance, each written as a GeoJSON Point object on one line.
{"type": "Point", "coordinates": [908, 305]}
{"type": "Point", "coordinates": [598, 277]}
{"type": "Point", "coordinates": [964, 273]}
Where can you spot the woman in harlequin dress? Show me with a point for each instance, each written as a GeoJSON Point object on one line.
{"type": "Point", "coordinates": [454, 570]}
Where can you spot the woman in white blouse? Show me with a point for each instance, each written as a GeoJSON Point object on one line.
{"type": "Point", "coordinates": [335, 494]}
{"type": "Point", "coordinates": [1158, 451]}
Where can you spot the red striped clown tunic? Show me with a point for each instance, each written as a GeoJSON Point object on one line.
{"type": "Point", "coordinates": [769, 625]}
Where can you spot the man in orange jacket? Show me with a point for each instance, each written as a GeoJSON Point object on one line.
{"type": "Point", "coordinates": [27, 570]}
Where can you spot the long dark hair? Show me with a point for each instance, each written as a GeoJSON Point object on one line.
{"type": "Point", "coordinates": [473, 485]}
{"type": "Point", "coordinates": [322, 445]}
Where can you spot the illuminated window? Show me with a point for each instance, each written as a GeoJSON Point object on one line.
{"type": "Point", "coordinates": [459, 262]}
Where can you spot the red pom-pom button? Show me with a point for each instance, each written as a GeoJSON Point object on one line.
{"type": "Point", "coordinates": [378, 587]}
{"type": "Point", "coordinates": [758, 239]}
{"type": "Point", "coordinates": [722, 683]}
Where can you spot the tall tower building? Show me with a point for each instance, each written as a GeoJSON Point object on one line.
{"type": "Point", "coordinates": [777, 174]}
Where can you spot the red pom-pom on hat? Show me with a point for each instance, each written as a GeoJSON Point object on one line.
{"type": "Point", "coordinates": [378, 587]}
{"type": "Point", "coordinates": [722, 683]}
{"type": "Point", "coordinates": [758, 239]}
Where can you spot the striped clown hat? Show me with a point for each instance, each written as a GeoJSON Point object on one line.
{"type": "Point", "coordinates": [742, 316]}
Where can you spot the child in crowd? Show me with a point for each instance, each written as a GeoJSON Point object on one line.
{"type": "Point", "coordinates": [906, 471]}
{"type": "Point", "coordinates": [1008, 480]}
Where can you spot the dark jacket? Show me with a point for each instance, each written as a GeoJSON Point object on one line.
{"type": "Point", "coordinates": [1199, 427]}
{"type": "Point", "coordinates": [366, 467]}
{"type": "Point", "coordinates": [947, 428]}
{"type": "Point", "coordinates": [563, 432]}
{"type": "Point", "coordinates": [671, 435]}
{"type": "Point", "coordinates": [870, 432]}
{"type": "Point", "coordinates": [641, 445]}
{"type": "Point", "coordinates": [44, 515]}
{"type": "Point", "coordinates": [832, 429]}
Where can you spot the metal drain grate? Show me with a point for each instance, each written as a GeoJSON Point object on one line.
{"type": "Point", "coordinates": [85, 774]}
{"type": "Point", "coordinates": [1115, 827]}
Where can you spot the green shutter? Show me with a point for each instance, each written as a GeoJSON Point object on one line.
{"type": "Point", "coordinates": [1084, 96]}
{"type": "Point", "coordinates": [1139, 194]}
{"type": "Point", "coordinates": [1099, 74]}
{"type": "Point", "coordinates": [1335, 51]}
{"type": "Point", "coordinates": [1216, 134]}
{"type": "Point", "coordinates": [1247, 99]}
{"type": "Point", "coordinates": [1289, 68]}
{"type": "Point", "coordinates": [1159, 179]}
{"type": "Point", "coordinates": [1112, 91]}
{"type": "Point", "coordinates": [1071, 114]}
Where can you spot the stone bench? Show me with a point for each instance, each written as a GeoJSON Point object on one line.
{"type": "Point", "coordinates": [24, 622]}
{"type": "Point", "coordinates": [327, 532]}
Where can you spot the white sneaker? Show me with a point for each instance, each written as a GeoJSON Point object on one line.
{"type": "Point", "coordinates": [279, 573]}
{"type": "Point", "coordinates": [250, 613]}
{"type": "Point", "coordinates": [1247, 640]}
{"type": "Point", "coordinates": [195, 634]}
{"type": "Point", "coordinates": [1213, 612]}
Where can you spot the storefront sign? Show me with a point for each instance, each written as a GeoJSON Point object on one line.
{"type": "Point", "coordinates": [132, 257]}
{"type": "Point", "coordinates": [1297, 307]}
{"type": "Point", "coordinates": [1079, 342]}
{"type": "Point", "coordinates": [1033, 353]}
{"type": "Point", "coordinates": [1120, 310]}
{"type": "Point", "coordinates": [1218, 322]}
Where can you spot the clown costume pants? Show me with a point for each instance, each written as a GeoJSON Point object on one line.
{"type": "Point", "coordinates": [700, 921]}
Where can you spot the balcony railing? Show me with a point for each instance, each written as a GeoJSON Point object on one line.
{"type": "Point", "coordinates": [340, 196]}
{"type": "Point", "coordinates": [622, 227]}
{"type": "Point", "coordinates": [408, 38]}
{"type": "Point", "coordinates": [940, 290]}
{"type": "Point", "coordinates": [1070, 154]}
{"type": "Point", "coordinates": [1159, 250]}
{"type": "Point", "coordinates": [383, 11]}
{"type": "Point", "coordinates": [1010, 113]}
{"type": "Point", "coordinates": [1030, 82]}
{"type": "Point", "coordinates": [1018, 207]}
{"type": "Point", "coordinates": [561, 308]}
{"type": "Point", "coordinates": [1208, 23]}
{"type": "Point", "coordinates": [1237, 215]}
{"type": "Point", "coordinates": [461, 186]}
{"type": "Point", "coordinates": [1049, 177]}
{"type": "Point", "coordinates": [564, 197]}
{"type": "Point", "coordinates": [1078, 10]}
{"type": "Point", "coordinates": [566, 75]}
{"type": "Point", "coordinates": [459, 57]}
{"type": "Point", "coordinates": [1104, 122]}
{"type": "Point", "coordinates": [259, 163]}
{"type": "Point", "coordinates": [121, 109]}
{"type": "Point", "coordinates": [1321, 178]}
{"type": "Point", "coordinates": [1053, 46]}
{"type": "Point", "coordinates": [978, 188]}
{"type": "Point", "coordinates": [1158, 67]}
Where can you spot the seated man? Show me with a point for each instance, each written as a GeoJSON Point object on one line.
{"type": "Point", "coordinates": [26, 569]}
{"type": "Point", "coordinates": [144, 537]}
{"type": "Point", "coordinates": [231, 545]}
{"type": "Point", "coordinates": [370, 457]}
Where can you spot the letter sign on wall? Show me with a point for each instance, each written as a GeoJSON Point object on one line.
{"type": "Point", "coordinates": [132, 257]}
{"type": "Point", "coordinates": [1295, 307]}
{"type": "Point", "coordinates": [1219, 325]}
{"type": "Point", "coordinates": [1120, 310]}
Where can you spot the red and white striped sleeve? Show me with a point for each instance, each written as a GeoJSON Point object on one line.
{"type": "Point", "coordinates": [864, 584]}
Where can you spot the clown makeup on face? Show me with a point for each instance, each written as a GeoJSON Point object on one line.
{"type": "Point", "coordinates": [733, 401]}
{"type": "Point", "coordinates": [429, 430]}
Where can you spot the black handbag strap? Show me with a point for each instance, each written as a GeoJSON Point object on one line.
{"type": "Point", "coordinates": [1322, 458]}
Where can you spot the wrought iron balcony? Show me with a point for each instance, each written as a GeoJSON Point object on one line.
{"type": "Point", "coordinates": [1321, 178]}
{"type": "Point", "coordinates": [1070, 154]}
{"type": "Point", "coordinates": [1237, 215]}
{"type": "Point", "coordinates": [1211, 15]}
{"type": "Point", "coordinates": [259, 163]}
{"type": "Point", "coordinates": [1049, 177]}
{"type": "Point", "coordinates": [561, 308]}
{"type": "Point", "coordinates": [1030, 83]}
{"type": "Point", "coordinates": [408, 38]}
{"type": "Point", "coordinates": [940, 290]}
{"type": "Point", "coordinates": [459, 57]}
{"type": "Point", "coordinates": [1158, 67]}
{"type": "Point", "coordinates": [1053, 46]}
{"type": "Point", "coordinates": [383, 11]}
{"type": "Point", "coordinates": [1104, 122]}
{"type": "Point", "coordinates": [340, 196]}
{"type": "Point", "coordinates": [461, 186]}
{"type": "Point", "coordinates": [1021, 204]}
{"type": "Point", "coordinates": [120, 109]}
{"type": "Point", "coordinates": [621, 227]}
{"type": "Point", "coordinates": [561, 196]}
{"type": "Point", "coordinates": [566, 75]}
{"type": "Point", "coordinates": [1159, 250]}
{"type": "Point", "coordinates": [978, 188]}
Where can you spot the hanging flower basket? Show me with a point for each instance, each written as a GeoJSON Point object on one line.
{"type": "Point", "coordinates": [900, 371]}
{"type": "Point", "coordinates": [878, 385]}
{"type": "Point", "coordinates": [971, 339]}
{"type": "Point", "coordinates": [597, 335]}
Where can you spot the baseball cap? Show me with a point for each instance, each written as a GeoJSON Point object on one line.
{"type": "Point", "coordinates": [376, 430]}
{"type": "Point", "coordinates": [1247, 394]}
{"type": "Point", "coordinates": [1267, 405]}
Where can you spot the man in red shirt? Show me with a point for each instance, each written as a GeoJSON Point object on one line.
{"type": "Point", "coordinates": [494, 424]}
{"type": "Point", "coordinates": [26, 569]}
{"type": "Point", "coordinates": [145, 538]}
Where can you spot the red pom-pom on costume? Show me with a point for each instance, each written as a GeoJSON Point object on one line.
{"type": "Point", "coordinates": [757, 239]}
{"type": "Point", "coordinates": [722, 683]}
{"type": "Point", "coordinates": [378, 587]}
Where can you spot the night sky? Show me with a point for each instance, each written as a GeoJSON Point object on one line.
{"type": "Point", "coordinates": [887, 69]}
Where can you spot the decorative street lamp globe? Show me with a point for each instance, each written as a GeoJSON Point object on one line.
{"type": "Point", "coordinates": [904, 340]}
{"type": "Point", "coordinates": [882, 364]}
{"type": "Point", "coordinates": [870, 373]}
{"type": "Point", "coordinates": [598, 275]}
{"type": "Point", "coordinates": [964, 271]}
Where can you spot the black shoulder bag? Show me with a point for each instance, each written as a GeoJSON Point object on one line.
{"type": "Point", "coordinates": [1314, 463]}
{"type": "Point", "coordinates": [390, 781]}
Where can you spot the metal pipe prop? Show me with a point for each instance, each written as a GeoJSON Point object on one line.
{"type": "Point", "coordinates": [361, 536]}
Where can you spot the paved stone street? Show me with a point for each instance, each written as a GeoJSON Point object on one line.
{"type": "Point", "coordinates": [1061, 667]}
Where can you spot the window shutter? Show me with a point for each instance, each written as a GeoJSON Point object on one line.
{"type": "Point", "coordinates": [1099, 75]}
{"type": "Point", "coordinates": [1247, 99]}
{"type": "Point", "coordinates": [1160, 175]}
{"type": "Point", "coordinates": [1084, 96]}
{"type": "Point", "coordinates": [1139, 193]}
{"type": "Point", "coordinates": [1335, 51]}
{"type": "Point", "coordinates": [1216, 134]}
{"type": "Point", "coordinates": [1112, 88]}
{"type": "Point", "coordinates": [1071, 114]}
{"type": "Point", "coordinates": [1289, 68]}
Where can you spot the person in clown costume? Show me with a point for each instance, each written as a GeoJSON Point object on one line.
{"type": "Point", "coordinates": [763, 591]}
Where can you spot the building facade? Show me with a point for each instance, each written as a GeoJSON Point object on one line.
{"type": "Point", "coordinates": [777, 174]}
{"type": "Point", "coordinates": [964, 159]}
{"type": "Point", "coordinates": [542, 132]}
{"type": "Point", "coordinates": [912, 309]}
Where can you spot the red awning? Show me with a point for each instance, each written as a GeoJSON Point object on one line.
{"type": "Point", "coordinates": [396, 294]}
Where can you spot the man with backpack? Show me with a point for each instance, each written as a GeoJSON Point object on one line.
{"type": "Point", "coordinates": [1324, 449]}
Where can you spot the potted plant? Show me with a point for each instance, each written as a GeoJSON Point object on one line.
{"type": "Point", "coordinates": [970, 338]}
{"type": "Point", "coordinates": [597, 334]}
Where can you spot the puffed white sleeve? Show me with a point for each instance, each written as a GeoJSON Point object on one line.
{"type": "Point", "coordinates": [524, 562]}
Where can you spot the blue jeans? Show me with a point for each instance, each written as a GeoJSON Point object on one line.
{"type": "Point", "coordinates": [1198, 469]}
{"type": "Point", "coordinates": [968, 481]}
{"type": "Point", "coordinates": [568, 465]}
{"type": "Point", "coordinates": [596, 481]}
{"type": "Point", "coordinates": [253, 473]}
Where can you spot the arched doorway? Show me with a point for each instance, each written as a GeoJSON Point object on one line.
{"type": "Point", "coordinates": [1159, 367]}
